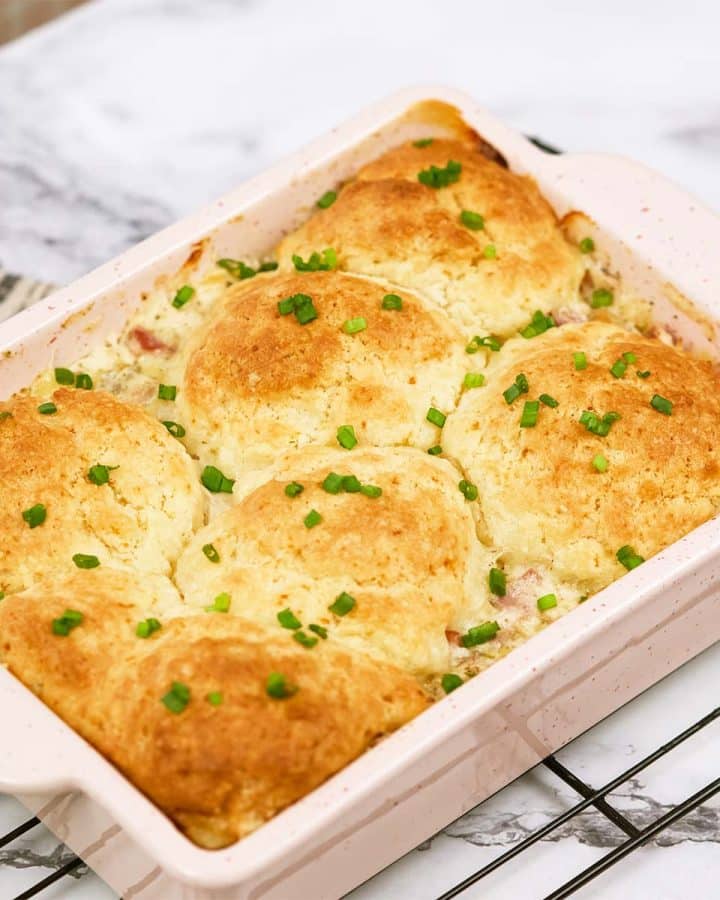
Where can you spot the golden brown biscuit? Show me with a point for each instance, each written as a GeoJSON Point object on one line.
{"type": "Point", "coordinates": [141, 516]}
{"type": "Point", "coordinates": [219, 765]}
{"type": "Point", "coordinates": [545, 505]}
{"type": "Point", "coordinates": [387, 223]}
{"type": "Point", "coordinates": [258, 383]}
{"type": "Point", "coordinates": [409, 558]}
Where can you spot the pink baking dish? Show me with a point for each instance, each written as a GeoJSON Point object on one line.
{"type": "Point", "coordinates": [499, 724]}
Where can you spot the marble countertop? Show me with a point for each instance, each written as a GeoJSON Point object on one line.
{"type": "Point", "coordinates": [127, 114]}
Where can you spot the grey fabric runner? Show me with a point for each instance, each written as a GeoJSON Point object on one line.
{"type": "Point", "coordinates": [17, 292]}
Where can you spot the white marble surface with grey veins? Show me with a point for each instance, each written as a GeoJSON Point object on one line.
{"type": "Point", "coordinates": [127, 114]}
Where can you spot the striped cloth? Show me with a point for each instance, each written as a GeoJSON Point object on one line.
{"type": "Point", "coordinates": [17, 292]}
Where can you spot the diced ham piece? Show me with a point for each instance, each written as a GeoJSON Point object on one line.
{"type": "Point", "coordinates": [147, 342]}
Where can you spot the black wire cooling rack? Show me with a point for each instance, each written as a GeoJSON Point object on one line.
{"type": "Point", "coordinates": [589, 797]}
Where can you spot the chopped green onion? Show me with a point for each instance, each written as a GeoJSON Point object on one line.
{"type": "Point", "coordinates": [177, 698]}
{"type": "Point", "coordinates": [47, 409]}
{"type": "Point", "coordinates": [215, 698]}
{"type": "Point", "coordinates": [147, 627]}
{"type": "Point", "coordinates": [167, 392]}
{"type": "Point", "coordinates": [294, 489]}
{"type": "Point", "coordinates": [276, 686]}
{"type": "Point", "coordinates": [539, 324]}
{"type": "Point", "coordinates": [211, 553]}
{"type": "Point", "coordinates": [600, 463]}
{"type": "Point", "coordinates": [436, 177]}
{"type": "Point", "coordinates": [288, 619]}
{"type": "Point", "coordinates": [661, 404]}
{"type": "Point", "coordinates": [312, 519]}
{"type": "Point", "coordinates": [490, 251]}
{"type": "Point", "coordinates": [35, 516]}
{"type": "Point", "coordinates": [371, 490]}
{"type": "Point", "coordinates": [391, 301]}
{"type": "Point", "coordinates": [580, 361]}
{"type": "Point", "coordinates": [587, 245]}
{"type": "Point", "coordinates": [332, 483]}
{"type": "Point", "coordinates": [629, 358]}
{"type": "Point", "coordinates": [304, 639]}
{"type": "Point", "coordinates": [601, 297]}
{"type": "Point", "coordinates": [497, 582]}
{"type": "Point", "coordinates": [472, 220]}
{"type": "Point", "coordinates": [268, 266]}
{"type": "Point", "coordinates": [346, 437]}
{"type": "Point", "coordinates": [583, 598]}
{"type": "Point", "coordinates": [435, 417]}
{"type": "Point", "coordinates": [100, 474]}
{"type": "Point", "coordinates": [450, 682]}
{"type": "Point", "coordinates": [519, 386]}
{"type": "Point", "coordinates": [70, 619]}
{"type": "Point", "coordinates": [468, 490]}
{"type": "Point", "coordinates": [351, 484]}
{"type": "Point", "coordinates": [64, 376]}
{"type": "Point", "coordinates": [342, 604]}
{"type": "Point", "coordinates": [327, 199]}
{"type": "Point", "coordinates": [305, 312]}
{"type": "Point", "coordinates": [629, 558]}
{"type": "Point", "coordinates": [185, 294]}
{"type": "Point", "coordinates": [548, 401]}
{"type": "Point", "coordinates": [618, 368]}
{"type": "Point", "coordinates": [86, 561]}
{"type": "Point", "coordinates": [83, 381]}
{"type": "Point", "coordinates": [480, 634]}
{"type": "Point", "coordinates": [237, 268]}
{"type": "Point", "coordinates": [597, 425]}
{"type": "Point", "coordinates": [353, 326]}
{"type": "Point", "coordinates": [435, 451]}
{"type": "Point", "coordinates": [548, 601]}
{"type": "Point", "coordinates": [423, 142]}
{"type": "Point", "coordinates": [214, 480]}
{"type": "Point", "coordinates": [175, 429]}
{"type": "Point", "coordinates": [220, 604]}
{"type": "Point", "coordinates": [5, 414]}
{"type": "Point", "coordinates": [490, 341]}
{"type": "Point", "coordinates": [319, 630]}
{"type": "Point", "coordinates": [316, 262]}
{"type": "Point", "coordinates": [473, 380]}
{"type": "Point", "coordinates": [645, 374]}
{"type": "Point", "coordinates": [530, 413]}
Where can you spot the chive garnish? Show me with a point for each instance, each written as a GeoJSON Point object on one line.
{"type": "Point", "coordinates": [332, 483]}
{"type": "Point", "coordinates": [450, 682]}
{"type": "Point", "coordinates": [472, 220]}
{"type": "Point", "coordinates": [63, 625]}
{"type": "Point", "coordinates": [618, 368]}
{"type": "Point", "coordinates": [346, 437]}
{"type": "Point", "coordinates": [436, 177]}
{"type": "Point", "coordinates": [662, 405]}
{"type": "Point", "coordinates": [238, 269]}
{"type": "Point", "coordinates": [215, 698]}
{"type": "Point", "coordinates": [342, 604]}
{"type": "Point", "coordinates": [371, 490]}
{"type": "Point", "coordinates": [277, 686]}
{"type": "Point", "coordinates": [312, 519]}
{"type": "Point", "coordinates": [304, 639]}
{"type": "Point", "coordinates": [319, 630]}
{"type": "Point", "coordinates": [214, 480]}
{"type": "Point", "coordinates": [468, 490]}
{"type": "Point", "coordinates": [490, 251]}
{"type": "Point", "coordinates": [480, 634]}
{"type": "Point", "coordinates": [579, 361]}
{"type": "Point", "coordinates": [185, 294]}
{"type": "Point", "coordinates": [530, 413]}
{"type": "Point", "coordinates": [519, 386]}
{"type": "Point", "coordinates": [645, 374]}
{"type": "Point", "coordinates": [587, 245]}
{"type": "Point", "coordinates": [435, 417]}
{"type": "Point", "coordinates": [423, 142]}
{"type": "Point", "coordinates": [167, 392]}
{"type": "Point", "coordinates": [287, 618]}
{"type": "Point", "coordinates": [35, 516]}
{"type": "Point", "coordinates": [100, 474]}
{"type": "Point", "coordinates": [497, 582]}
{"type": "Point", "coordinates": [600, 463]}
{"type": "Point", "coordinates": [435, 451]}
{"type": "Point", "coordinates": [47, 409]}
{"type": "Point", "coordinates": [596, 424]}
{"type": "Point", "coordinates": [601, 297]}
{"type": "Point", "coordinates": [539, 324]}
{"type": "Point", "coordinates": [294, 489]}
{"type": "Point", "coordinates": [351, 484]}
{"type": "Point", "coordinates": [147, 627]}
{"type": "Point", "coordinates": [391, 301]}
{"type": "Point", "coordinates": [64, 376]}
{"type": "Point", "coordinates": [211, 553]}
{"type": "Point", "coordinates": [177, 698]}
{"type": "Point", "coordinates": [316, 262]}
{"type": "Point", "coordinates": [628, 557]}
{"type": "Point", "coordinates": [548, 601]}
{"type": "Point", "coordinates": [354, 326]}
{"type": "Point", "coordinates": [86, 561]}
{"type": "Point", "coordinates": [473, 380]}
{"type": "Point", "coordinates": [327, 199]}
{"type": "Point", "coordinates": [175, 429]}
{"type": "Point", "coordinates": [548, 400]}
{"type": "Point", "coordinates": [220, 604]}
{"type": "Point", "coordinates": [83, 381]}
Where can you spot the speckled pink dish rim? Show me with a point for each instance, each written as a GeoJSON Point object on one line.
{"type": "Point", "coordinates": [496, 726]}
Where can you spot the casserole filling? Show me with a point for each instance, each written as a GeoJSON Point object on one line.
{"type": "Point", "coordinates": [298, 499]}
